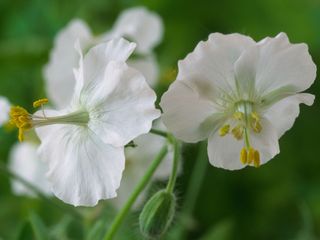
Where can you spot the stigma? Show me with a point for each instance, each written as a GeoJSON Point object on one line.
{"type": "Point", "coordinates": [25, 121]}
{"type": "Point", "coordinates": [243, 121]}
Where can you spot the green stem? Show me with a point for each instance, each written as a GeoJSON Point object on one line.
{"type": "Point", "coordinates": [193, 190]}
{"type": "Point", "coordinates": [136, 192]}
{"type": "Point", "coordinates": [176, 157]}
{"type": "Point", "coordinates": [34, 189]}
{"type": "Point", "coordinates": [159, 132]}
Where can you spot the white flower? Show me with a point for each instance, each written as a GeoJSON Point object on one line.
{"type": "Point", "coordinates": [137, 24]}
{"type": "Point", "coordinates": [241, 95]}
{"type": "Point", "coordinates": [83, 144]}
{"type": "Point", "coordinates": [138, 159]}
{"type": "Point", "coordinates": [5, 108]}
{"type": "Point", "coordinates": [24, 162]}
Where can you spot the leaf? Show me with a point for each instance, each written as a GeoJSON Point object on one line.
{"type": "Point", "coordinates": [39, 229]}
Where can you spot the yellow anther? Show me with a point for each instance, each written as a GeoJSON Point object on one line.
{"type": "Point", "coordinates": [255, 122]}
{"type": "Point", "coordinates": [244, 156]}
{"type": "Point", "coordinates": [40, 102]}
{"type": "Point", "coordinates": [224, 130]}
{"type": "Point", "coordinates": [251, 155]}
{"type": "Point", "coordinates": [21, 119]}
{"type": "Point", "coordinates": [238, 132]}
{"type": "Point", "coordinates": [256, 159]}
{"type": "Point", "coordinates": [255, 116]}
{"type": "Point", "coordinates": [256, 126]}
{"type": "Point", "coordinates": [238, 115]}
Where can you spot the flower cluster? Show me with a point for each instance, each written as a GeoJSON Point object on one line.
{"type": "Point", "coordinates": [239, 94]}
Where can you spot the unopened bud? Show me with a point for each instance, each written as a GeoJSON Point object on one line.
{"type": "Point", "coordinates": [157, 214]}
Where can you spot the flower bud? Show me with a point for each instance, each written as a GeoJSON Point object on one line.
{"type": "Point", "coordinates": [157, 214]}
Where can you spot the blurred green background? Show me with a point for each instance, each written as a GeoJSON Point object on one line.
{"type": "Point", "coordinates": [280, 200]}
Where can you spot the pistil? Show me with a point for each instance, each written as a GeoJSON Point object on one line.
{"type": "Point", "coordinates": [24, 121]}
{"type": "Point", "coordinates": [244, 118]}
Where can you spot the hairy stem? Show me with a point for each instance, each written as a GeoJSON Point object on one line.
{"type": "Point", "coordinates": [136, 192]}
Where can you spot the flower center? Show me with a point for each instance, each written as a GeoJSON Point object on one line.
{"type": "Point", "coordinates": [243, 119]}
{"type": "Point", "coordinates": [23, 120]}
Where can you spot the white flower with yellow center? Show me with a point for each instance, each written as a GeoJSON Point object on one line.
{"type": "Point", "coordinates": [83, 144]}
{"type": "Point", "coordinates": [139, 25]}
{"type": "Point", "coordinates": [240, 94]}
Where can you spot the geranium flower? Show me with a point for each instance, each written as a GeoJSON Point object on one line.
{"type": "Point", "coordinates": [24, 162]}
{"type": "Point", "coordinates": [240, 94]}
{"type": "Point", "coordinates": [137, 24]}
{"type": "Point", "coordinates": [83, 144]}
{"type": "Point", "coordinates": [137, 161]}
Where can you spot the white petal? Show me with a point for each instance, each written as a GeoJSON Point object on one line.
{"type": "Point", "coordinates": [224, 152]}
{"type": "Point", "coordinates": [63, 58]}
{"type": "Point", "coordinates": [5, 109]}
{"type": "Point", "coordinates": [122, 105]}
{"type": "Point", "coordinates": [141, 26]}
{"type": "Point", "coordinates": [98, 57]}
{"type": "Point", "coordinates": [186, 114]}
{"type": "Point", "coordinates": [245, 72]}
{"type": "Point", "coordinates": [213, 60]}
{"type": "Point", "coordinates": [284, 64]}
{"type": "Point", "coordinates": [82, 169]}
{"type": "Point", "coordinates": [25, 162]}
{"type": "Point", "coordinates": [266, 142]}
{"type": "Point", "coordinates": [283, 113]}
{"type": "Point", "coordinates": [148, 66]}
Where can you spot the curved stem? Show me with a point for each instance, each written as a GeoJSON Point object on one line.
{"type": "Point", "coordinates": [136, 192]}
{"type": "Point", "coordinates": [176, 158]}
{"type": "Point", "coordinates": [34, 189]}
{"type": "Point", "coordinates": [193, 189]}
{"type": "Point", "coordinates": [159, 132]}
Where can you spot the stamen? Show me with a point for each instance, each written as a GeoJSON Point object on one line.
{"type": "Point", "coordinates": [255, 116]}
{"type": "Point", "coordinates": [224, 130]}
{"type": "Point", "coordinates": [238, 116]}
{"type": "Point", "coordinates": [243, 156]}
{"type": "Point", "coordinates": [247, 119]}
{"type": "Point", "coordinates": [40, 102]}
{"type": "Point", "coordinates": [251, 155]}
{"type": "Point", "coordinates": [256, 159]}
{"type": "Point", "coordinates": [238, 132]}
{"type": "Point", "coordinates": [256, 126]}
{"type": "Point", "coordinates": [21, 119]}
{"type": "Point", "coordinates": [255, 122]}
